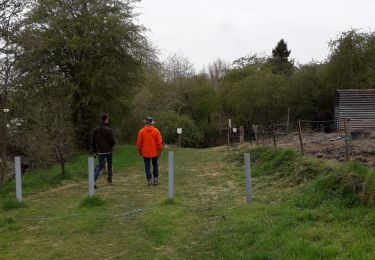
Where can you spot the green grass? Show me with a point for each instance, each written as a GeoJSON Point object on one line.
{"type": "Point", "coordinates": [11, 204]}
{"type": "Point", "coordinates": [90, 202]}
{"type": "Point", "coordinates": [350, 184]}
{"type": "Point", "coordinates": [37, 181]}
{"type": "Point", "coordinates": [303, 209]}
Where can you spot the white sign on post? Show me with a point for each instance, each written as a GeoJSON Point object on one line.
{"type": "Point", "coordinates": [179, 131]}
{"type": "Point", "coordinates": [234, 130]}
{"type": "Point", "coordinates": [6, 110]}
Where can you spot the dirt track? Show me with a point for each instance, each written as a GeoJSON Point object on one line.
{"type": "Point", "coordinates": [332, 146]}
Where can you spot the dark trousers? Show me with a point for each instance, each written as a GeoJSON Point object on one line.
{"type": "Point", "coordinates": [155, 171]}
{"type": "Point", "coordinates": [102, 158]}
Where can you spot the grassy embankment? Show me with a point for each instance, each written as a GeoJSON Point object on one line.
{"type": "Point", "coordinates": [303, 208]}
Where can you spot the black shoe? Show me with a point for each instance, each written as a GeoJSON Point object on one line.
{"type": "Point", "coordinates": [156, 181]}
{"type": "Point", "coordinates": [95, 187]}
{"type": "Point", "coordinates": [149, 182]}
{"type": "Point", "coordinates": [109, 182]}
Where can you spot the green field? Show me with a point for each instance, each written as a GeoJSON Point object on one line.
{"type": "Point", "coordinates": [303, 209]}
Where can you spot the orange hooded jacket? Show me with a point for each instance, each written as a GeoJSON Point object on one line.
{"type": "Point", "coordinates": [149, 141]}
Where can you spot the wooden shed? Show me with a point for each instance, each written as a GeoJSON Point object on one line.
{"type": "Point", "coordinates": [358, 105]}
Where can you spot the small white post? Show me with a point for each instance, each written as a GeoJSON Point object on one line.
{"type": "Point", "coordinates": [248, 178]}
{"type": "Point", "coordinates": [91, 176]}
{"type": "Point", "coordinates": [170, 175]}
{"type": "Point", "coordinates": [17, 165]}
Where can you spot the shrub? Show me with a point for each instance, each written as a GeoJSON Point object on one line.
{"type": "Point", "coordinates": [168, 122]}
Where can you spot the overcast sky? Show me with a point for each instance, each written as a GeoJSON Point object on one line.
{"type": "Point", "coordinates": [203, 30]}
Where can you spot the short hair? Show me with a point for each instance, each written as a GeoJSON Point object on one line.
{"type": "Point", "coordinates": [104, 117]}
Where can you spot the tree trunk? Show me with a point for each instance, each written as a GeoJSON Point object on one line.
{"type": "Point", "coordinates": [3, 142]}
{"type": "Point", "coordinates": [61, 159]}
{"type": "Point", "coordinates": [3, 126]}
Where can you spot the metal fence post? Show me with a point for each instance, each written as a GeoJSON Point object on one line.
{"type": "Point", "coordinates": [17, 165]}
{"type": "Point", "coordinates": [170, 175]}
{"type": "Point", "coordinates": [248, 178]}
{"type": "Point", "coordinates": [91, 176]}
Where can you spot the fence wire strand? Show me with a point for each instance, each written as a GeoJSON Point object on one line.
{"type": "Point", "coordinates": [323, 139]}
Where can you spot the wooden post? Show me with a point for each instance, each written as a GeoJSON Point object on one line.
{"type": "Point", "coordinates": [61, 159]}
{"type": "Point", "coordinates": [249, 133]}
{"type": "Point", "coordinates": [229, 131]}
{"type": "Point", "coordinates": [287, 124]}
{"type": "Point", "coordinates": [263, 137]}
{"type": "Point", "coordinates": [228, 135]}
{"type": "Point", "coordinates": [346, 138]}
{"type": "Point", "coordinates": [300, 137]}
{"type": "Point", "coordinates": [255, 127]}
{"type": "Point", "coordinates": [273, 135]}
{"type": "Point", "coordinates": [242, 134]}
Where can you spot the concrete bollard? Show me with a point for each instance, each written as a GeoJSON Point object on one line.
{"type": "Point", "coordinates": [17, 166]}
{"type": "Point", "coordinates": [170, 175]}
{"type": "Point", "coordinates": [249, 198]}
{"type": "Point", "coordinates": [91, 176]}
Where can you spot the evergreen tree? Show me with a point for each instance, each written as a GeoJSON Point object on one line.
{"type": "Point", "coordinates": [280, 59]}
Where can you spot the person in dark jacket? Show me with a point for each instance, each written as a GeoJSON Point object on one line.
{"type": "Point", "coordinates": [103, 142]}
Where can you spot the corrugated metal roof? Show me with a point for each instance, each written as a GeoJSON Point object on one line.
{"type": "Point", "coordinates": [358, 105]}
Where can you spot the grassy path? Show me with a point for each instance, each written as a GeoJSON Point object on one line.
{"type": "Point", "coordinates": [136, 222]}
{"type": "Point", "coordinates": [208, 220]}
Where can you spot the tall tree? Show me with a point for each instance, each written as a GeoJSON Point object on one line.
{"type": "Point", "coordinates": [217, 70]}
{"type": "Point", "coordinates": [280, 58]}
{"type": "Point", "coordinates": [11, 14]}
{"type": "Point", "coordinates": [177, 66]}
{"type": "Point", "coordinates": [351, 61]}
{"type": "Point", "coordinates": [95, 46]}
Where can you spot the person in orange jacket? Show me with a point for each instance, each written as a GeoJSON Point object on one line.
{"type": "Point", "coordinates": [150, 146]}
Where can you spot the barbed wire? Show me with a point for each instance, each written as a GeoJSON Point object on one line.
{"type": "Point", "coordinates": [312, 121]}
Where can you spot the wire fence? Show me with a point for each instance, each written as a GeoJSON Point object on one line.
{"type": "Point", "coordinates": [322, 139]}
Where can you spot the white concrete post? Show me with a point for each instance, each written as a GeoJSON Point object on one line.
{"type": "Point", "coordinates": [91, 176]}
{"type": "Point", "coordinates": [17, 165]}
{"type": "Point", "coordinates": [248, 178]}
{"type": "Point", "coordinates": [170, 175]}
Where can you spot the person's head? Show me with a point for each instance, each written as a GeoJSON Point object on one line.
{"type": "Point", "coordinates": [104, 118]}
{"type": "Point", "coordinates": [148, 121]}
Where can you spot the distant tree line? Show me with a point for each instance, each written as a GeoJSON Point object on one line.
{"type": "Point", "coordinates": [62, 63]}
{"type": "Point", "coordinates": [254, 89]}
